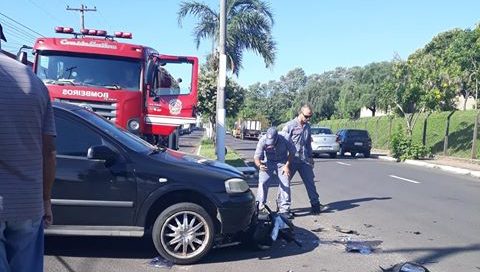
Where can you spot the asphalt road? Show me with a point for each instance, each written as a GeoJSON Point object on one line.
{"type": "Point", "coordinates": [410, 213]}
{"type": "Point", "coordinates": [419, 214]}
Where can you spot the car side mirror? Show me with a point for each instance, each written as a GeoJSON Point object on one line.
{"type": "Point", "coordinates": [101, 152]}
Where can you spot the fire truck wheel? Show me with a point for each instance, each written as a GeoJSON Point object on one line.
{"type": "Point", "coordinates": [183, 233]}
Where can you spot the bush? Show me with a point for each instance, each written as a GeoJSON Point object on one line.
{"type": "Point", "coordinates": [207, 141]}
{"type": "Point", "coordinates": [402, 148]}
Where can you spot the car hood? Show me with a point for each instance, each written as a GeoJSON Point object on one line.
{"type": "Point", "coordinates": [194, 162]}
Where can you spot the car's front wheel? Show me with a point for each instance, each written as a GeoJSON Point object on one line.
{"type": "Point", "coordinates": [183, 233]}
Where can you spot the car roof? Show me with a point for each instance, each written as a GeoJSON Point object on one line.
{"type": "Point", "coordinates": [321, 127]}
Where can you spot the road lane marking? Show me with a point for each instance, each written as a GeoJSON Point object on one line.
{"type": "Point", "coordinates": [343, 163]}
{"type": "Point", "coordinates": [404, 179]}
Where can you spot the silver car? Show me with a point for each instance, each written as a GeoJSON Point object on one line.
{"type": "Point", "coordinates": [324, 142]}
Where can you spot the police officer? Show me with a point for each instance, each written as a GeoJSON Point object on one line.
{"type": "Point", "coordinates": [297, 131]}
{"type": "Point", "coordinates": [273, 158]}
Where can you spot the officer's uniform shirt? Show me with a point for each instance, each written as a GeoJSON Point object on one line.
{"type": "Point", "coordinates": [277, 153]}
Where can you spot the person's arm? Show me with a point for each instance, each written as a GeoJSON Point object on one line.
{"type": "Point", "coordinates": [308, 147]}
{"type": "Point", "coordinates": [49, 153]}
{"type": "Point", "coordinates": [260, 164]}
{"type": "Point", "coordinates": [259, 154]}
{"type": "Point", "coordinates": [291, 155]}
{"type": "Point", "coordinates": [49, 157]}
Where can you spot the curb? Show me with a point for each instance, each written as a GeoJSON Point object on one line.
{"type": "Point", "coordinates": [446, 168]}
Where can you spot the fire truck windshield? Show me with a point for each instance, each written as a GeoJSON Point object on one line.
{"type": "Point", "coordinates": [89, 70]}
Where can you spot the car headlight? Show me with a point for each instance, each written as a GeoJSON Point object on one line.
{"type": "Point", "coordinates": [236, 185]}
{"type": "Point", "coordinates": [133, 125]}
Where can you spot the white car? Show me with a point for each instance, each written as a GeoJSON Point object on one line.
{"type": "Point", "coordinates": [324, 142]}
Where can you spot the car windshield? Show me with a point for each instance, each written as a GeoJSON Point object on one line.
{"type": "Point", "coordinates": [128, 139]}
{"type": "Point", "coordinates": [358, 133]}
{"type": "Point", "coordinates": [316, 131]}
{"type": "Point", "coordinates": [89, 70]}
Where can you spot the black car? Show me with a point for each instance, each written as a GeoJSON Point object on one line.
{"type": "Point", "coordinates": [112, 183]}
{"type": "Point", "coordinates": [354, 141]}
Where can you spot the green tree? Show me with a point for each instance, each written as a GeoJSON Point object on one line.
{"type": "Point", "coordinates": [373, 80]}
{"type": "Point", "coordinates": [207, 95]}
{"type": "Point", "coordinates": [249, 26]}
{"type": "Point", "coordinates": [348, 103]}
{"type": "Point", "coordinates": [351, 88]}
{"type": "Point", "coordinates": [463, 53]}
{"type": "Point", "coordinates": [322, 97]}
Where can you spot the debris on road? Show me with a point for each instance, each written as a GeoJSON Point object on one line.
{"type": "Point", "coordinates": [318, 229]}
{"type": "Point", "coordinates": [362, 247]}
{"type": "Point", "coordinates": [406, 267]}
{"type": "Point", "coordinates": [346, 231]}
{"type": "Point", "coordinates": [160, 263]}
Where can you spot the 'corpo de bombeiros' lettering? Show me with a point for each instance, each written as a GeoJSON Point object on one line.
{"type": "Point", "coordinates": [85, 93]}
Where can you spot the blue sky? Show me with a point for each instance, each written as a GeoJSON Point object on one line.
{"type": "Point", "coordinates": [316, 35]}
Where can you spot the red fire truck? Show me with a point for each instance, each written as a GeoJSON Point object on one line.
{"type": "Point", "coordinates": [134, 86]}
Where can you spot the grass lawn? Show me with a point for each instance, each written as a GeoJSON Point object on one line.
{"type": "Point", "coordinates": [208, 151]}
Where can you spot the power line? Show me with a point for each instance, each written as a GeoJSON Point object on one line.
{"type": "Point", "coordinates": [18, 32]}
{"type": "Point", "coordinates": [21, 31]}
{"type": "Point", "coordinates": [17, 39]}
{"type": "Point", "coordinates": [19, 35]}
{"type": "Point", "coordinates": [13, 20]}
{"type": "Point", "coordinates": [45, 11]}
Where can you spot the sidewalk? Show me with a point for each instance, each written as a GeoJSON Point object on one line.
{"type": "Point", "coordinates": [449, 164]}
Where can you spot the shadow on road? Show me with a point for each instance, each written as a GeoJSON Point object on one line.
{"type": "Point", "coordinates": [143, 248]}
{"type": "Point", "coordinates": [280, 249]}
{"type": "Point", "coordinates": [436, 254]}
{"type": "Point", "coordinates": [350, 203]}
{"type": "Point", "coordinates": [245, 149]}
{"type": "Point", "coordinates": [338, 205]}
{"type": "Point", "coordinates": [186, 145]}
{"type": "Point", "coordinates": [100, 247]}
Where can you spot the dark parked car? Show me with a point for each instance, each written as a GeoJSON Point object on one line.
{"type": "Point", "coordinates": [354, 141]}
{"type": "Point", "coordinates": [112, 183]}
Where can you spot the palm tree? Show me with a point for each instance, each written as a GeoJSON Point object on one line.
{"type": "Point", "coordinates": [249, 25]}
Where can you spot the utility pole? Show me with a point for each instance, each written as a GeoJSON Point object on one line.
{"type": "Point", "coordinates": [82, 11]}
{"type": "Point", "coordinates": [221, 81]}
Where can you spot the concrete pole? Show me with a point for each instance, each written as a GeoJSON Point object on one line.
{"type": "Point", "coordinates": [222, 77]}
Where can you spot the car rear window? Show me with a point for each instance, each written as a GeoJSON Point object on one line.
{"type": "Point", "coordinates": [358, 133]}
{"type": "Point", "coordinates": [321, 131]}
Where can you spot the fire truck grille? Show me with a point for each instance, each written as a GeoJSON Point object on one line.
{"type": "Point", "coordinates": [105, 109]}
